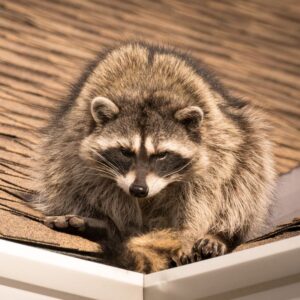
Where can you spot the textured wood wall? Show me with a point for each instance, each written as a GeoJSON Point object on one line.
{"type": "Point", "coordinates": [252, 45]}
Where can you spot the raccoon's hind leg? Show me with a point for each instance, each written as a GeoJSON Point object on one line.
{"type": "Point", "coordinates": [149, 252]}
{"type": "Point", "coordinates": [95, 229]}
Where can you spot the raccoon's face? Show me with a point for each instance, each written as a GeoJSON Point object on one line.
{"type": "Point", "coordinates": [142, 148]}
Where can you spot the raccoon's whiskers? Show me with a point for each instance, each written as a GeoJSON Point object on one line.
{"type": "Point", "coordinates": [103, 171]}
{"type": "Point", "coordinates": [103, 175]}
{"type": "Point", "coordinates": [112, 166]}
{"type": "Point", "coordinates": [103, 167]}
{"type": "Point", "coordinates": [96, 171]}
{"type": "Point", "coordinates": [177, 170]}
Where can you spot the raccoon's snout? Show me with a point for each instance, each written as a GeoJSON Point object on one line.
{"type": "Point", "coordinates": [139, 191]}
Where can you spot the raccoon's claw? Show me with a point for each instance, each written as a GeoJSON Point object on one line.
{"type": "Point", "coordinates": [204, 248]}
{"type": "Point", "coordinates": [208, 247]}
{"type": "Point", "coordinates": [180, 259]}
{"type": "Point", "coordinates": [185, 259]}
{"type": "Point", "coordinates": [65, 222]}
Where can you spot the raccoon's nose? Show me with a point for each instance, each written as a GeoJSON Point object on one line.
{"type": "Point", "coordinates": [138, 190]}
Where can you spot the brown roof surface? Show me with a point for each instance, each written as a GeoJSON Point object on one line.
{"type": "Point", "coordinates": [23, 224]}
{"type": "Point", "coordinates": [281, 232]}
{"type": "Point", "coordinates": [252, 45]}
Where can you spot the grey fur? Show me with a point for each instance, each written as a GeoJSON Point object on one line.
{"type": "Point", "coordinates": [227, 188]}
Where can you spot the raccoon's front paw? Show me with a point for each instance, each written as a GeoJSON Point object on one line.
{"type": "Point", "coordinates": [207, 247]}
{"type": "Point", "coordinates": [95, 229]}
{"type": "Point", "coordinates": [66, 222]}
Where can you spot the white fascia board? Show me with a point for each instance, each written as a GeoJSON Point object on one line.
{"type": "Point", "coordinates": [65, 277]}
{"type": "Point", "coordinates": [56, 276]}
{"type": "Point", "coordinates": [226, 273]}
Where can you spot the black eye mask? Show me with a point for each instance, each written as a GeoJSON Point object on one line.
{"type": "Point", "coordinates": [169, 164]}
{"type": "Point", "coordinates": [117, 157]}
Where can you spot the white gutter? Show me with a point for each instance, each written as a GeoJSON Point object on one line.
{"type": "Point", "coordinates": [31, 273]}
{"type": "Point", "coordinates": [64, 277]}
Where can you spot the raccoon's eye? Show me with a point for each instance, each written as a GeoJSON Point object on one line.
{"type": "Point", "coordinates": [160, 156]}
{"type": "Point", "coordinates": [127, 152]}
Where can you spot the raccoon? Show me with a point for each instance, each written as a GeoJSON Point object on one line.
{"type": "Point", "coordinates": [151, 153]}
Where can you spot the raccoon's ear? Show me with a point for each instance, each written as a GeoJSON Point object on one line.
{"type": "Point", "coordinates": [103, 109]}
{"type": "Point", "coordinates": [191, 117]}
